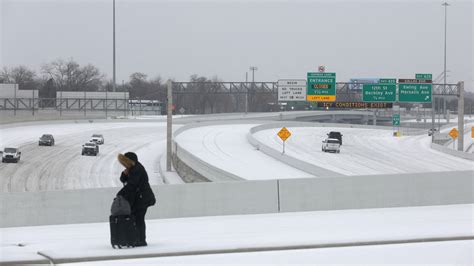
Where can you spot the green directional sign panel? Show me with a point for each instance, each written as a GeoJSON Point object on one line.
{"type": "Point", "coordinates": [384, 91]}
{"type": "Point", "coordinates": [424, 76]}
{"type": "Point", "coordinates": [321, 87]}
{"type": "Point", "coordinates": [412, 91]}
{"type": "Point", "coordinates": [396, 119]}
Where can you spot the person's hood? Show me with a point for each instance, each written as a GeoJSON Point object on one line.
{"type": "Point", "coordinates": [126, 162]}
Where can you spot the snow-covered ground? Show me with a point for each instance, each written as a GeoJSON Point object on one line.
{"type": "Point", "coordinates": [227, 147]}
{"type": "Point", "coordinates": [364, 152]}
{"type": "Point", "coordinates": [62, 166]}
{"type": "Point", "coordinates": [303, 233]}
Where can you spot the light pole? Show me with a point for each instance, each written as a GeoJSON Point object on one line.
{"type": "Point", "coordinates": [247, 92]}
{"type": "Point", "coordinates": [252, 68]}
{"type": "Point", "coordinates": [445, 4]}
{"type": "Point", "coordinates": [113, 18]}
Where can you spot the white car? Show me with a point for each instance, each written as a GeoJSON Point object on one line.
{"type": "Point", "coordinates": [11, 155]}
{"type": "Point", "coordinates": [97, 138]}
{"type": "Point", "coordinates": [331, 145]}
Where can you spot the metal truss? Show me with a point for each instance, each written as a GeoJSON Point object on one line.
{"type": "Point", "coordinates": [225, 87]}
{"type": "Point", "coordinates": [73, 104]}
{"type": "Point", "coordinates": [344, 91]}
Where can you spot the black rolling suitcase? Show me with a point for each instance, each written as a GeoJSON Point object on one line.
{"type": "Point", "coordinates": [123, 231]}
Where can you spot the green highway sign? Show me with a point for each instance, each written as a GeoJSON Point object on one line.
{"type": "Point", "coordinates": [321, 87]}
{"type": "Point", "coordinates": [396, 119]}
{"type": "Point", "coordinates": [424, 76]}
{"type": "Point", "coordinates": [414, 92]}
{"type": "Point", "coordinates": [384, 91]}
{"type": "Point", "coordinates": [389, 81]}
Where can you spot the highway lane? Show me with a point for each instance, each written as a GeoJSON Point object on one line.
{"type": "Point", "coordinates": [366, 151]}
{"type": "Point", "coordinates": [62, 166]}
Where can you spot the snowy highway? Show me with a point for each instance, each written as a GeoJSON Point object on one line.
{"type": "Point", "coordinates": [364, 152]}
{"type": "Point", "coordinates": [62, 167]}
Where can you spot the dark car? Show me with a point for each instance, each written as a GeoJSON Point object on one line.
{"type": "Point", "coordinates": [90, 148]}
{"type": "Point", "coordinates": [432, 131]}
{"type": "Point", "coordinates": [46, 139]}
{"type": "Point", "coordinates": [335, 135]}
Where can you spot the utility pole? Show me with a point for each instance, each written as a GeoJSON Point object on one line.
{"type": "Point", "coordinates": [113, 82]}
{"type": "Point", "coordinates": [252, 68]}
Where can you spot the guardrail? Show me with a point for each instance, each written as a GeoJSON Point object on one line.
{"type": "Point", "coordinates": [445, 149]}
{"type": "Point", "coordinates": [246, 197]}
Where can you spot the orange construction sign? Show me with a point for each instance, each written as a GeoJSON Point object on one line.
{"type": "Point", "coordinates": [472, 132]}
{"type": "Point", "coordinates": [284, 133]}
{"type": "Point", "coordinates": [454, 133]}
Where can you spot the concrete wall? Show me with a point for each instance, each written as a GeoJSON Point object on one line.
{"type": "Point", "coordinates": [93, 205]}
{"type": "Point", "coordinates": [445, 149]}
{"type": "Point", "coordinates": [377, 191]}
{"type": "Point", "coordinates": [246, 197]}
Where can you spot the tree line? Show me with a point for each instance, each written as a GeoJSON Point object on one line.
{"type": "Point", "coordinates": [204, 95]}
{"type": "Point", "coordinates": [68, 75]}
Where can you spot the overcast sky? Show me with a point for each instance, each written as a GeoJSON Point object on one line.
{"type": "Point", "coordinates": [284, 39]}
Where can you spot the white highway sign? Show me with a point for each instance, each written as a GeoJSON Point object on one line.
{"type": "Point", "coordinates": [291, 90]}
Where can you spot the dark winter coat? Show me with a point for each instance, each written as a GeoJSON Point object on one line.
{"type": "Point", "coordinates": [136, 188]}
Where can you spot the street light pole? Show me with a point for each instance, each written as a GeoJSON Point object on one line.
{"type": "Point", "coordinates": [247, 92]}
{"type": "Point", "coordinates": [252, 68]}
{"type": "Point", "coordinates": [445, 4]}
{"type": "Point", "coordinates": [113, 82]}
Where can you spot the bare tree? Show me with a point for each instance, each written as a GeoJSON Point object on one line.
{"type": "Point", "coordinates": [21, 75]}
{"type": "Point", "coordinates": [70, 76]}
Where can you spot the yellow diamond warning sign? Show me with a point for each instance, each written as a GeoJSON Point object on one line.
{"type": "Point", "coordinates": [284, 134]}
{"type": "Point", "coordinates": [454, 133]}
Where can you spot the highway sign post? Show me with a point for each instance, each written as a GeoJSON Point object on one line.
{"type": "Point", "coordinates": [384, 91]}
{"type": "Point", "coordinates": [284, 134]}
{"type": "Point", "coordinates": [321, 87]}
{"type": "Point", "coordinates": [414, 90]}
{"type": "Point", "coordinates": [291, 90]}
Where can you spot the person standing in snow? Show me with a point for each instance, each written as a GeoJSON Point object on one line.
{"type": "Point", "coordinates": [136, 191]}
